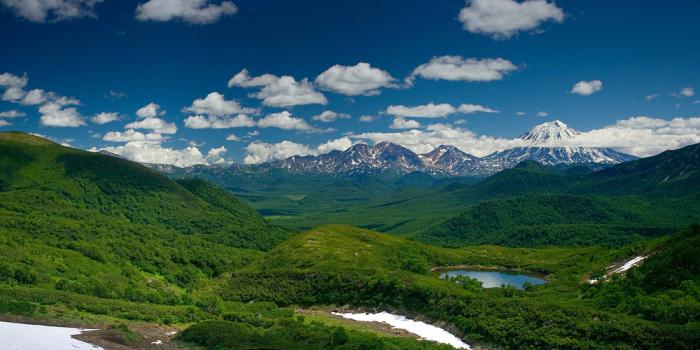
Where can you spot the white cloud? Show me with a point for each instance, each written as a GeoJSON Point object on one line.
{"type": "Point", "coordinates": [56, 114]}
{"type": "Point", "coordinates": [651, 97]}
{"type": "Point", "coordinates": [401, 123]}
{"type": "Point", "coordinates": [154, 152]}
{"type": "Point", "coordinates": [150, 110]}
{"type": "Point", "coordinates": [429, 110]}
{"type": "Point", "coordinates": [114, 95]}
{"type": "Point", "coordinates": [287, 92]}
{"type": "Point", "coordinates": [432, 110]}
{"type": "Point", "coordinates": [11, 80]}
{"type": "Point", "coordinates": [520, 113]}
{"type": "Point", "coordinates": [158, 125]}
{"type": "Point", "coordinates": [360, 79]}
{"type": "Point", "coordinates": [285, 120]}
{"type": "Point", "coordinates": [190, 11]}
{"type": "Point", "coordinates": [468, 108]}
{"type": "Point", "coordinates": [4, 123]}
{"type": "Point", "coordinates": [232, 137]}
{"type": "Point", "coordinates": [211, 122]}
{"type": "Point", "coordinates": [131, 135]}
{"type": "Point", "coordinates": [501, 19]}
{"type": "Point", "coordinates": [329, 116]}
{"type": "Point", "coordinates": [456, 68]}
{"type": "Point", "coordinates": [366, 118]}
{"type": "Point", "coordinates": [340, 144]}
{"type": "Point", "coordinates": [35, 97]}
{"type": "Point", "coordinates": [105, 117]}
{"type": "Point", "coordinates": [260, 152]}
{"type": "Point", "coordinates": [214, 104]}
{"type": "Point", "coordinates": [587, 87]}
{"type": "Point", "coordinates": [542, 114]}
{"type": "Point", "coordinates": [243, 79]}
{"type": "Point", "coordinates": [13, 113]}
{"type": "Point", "coordinates": [13, 94]}
{"type": "Point", "coordinates": [685, 92]}
{"type": "Point", "coordinates": [51, 10]}
{"type": "Point", "coordinates": [644, 136]}
{"type": "Point", "coordinates": [217, 155]}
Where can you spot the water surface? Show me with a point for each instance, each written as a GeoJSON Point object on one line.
{"type": "Point", "coordinates": [494, 279]}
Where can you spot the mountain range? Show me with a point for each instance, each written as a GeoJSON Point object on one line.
{"type": "Point", "coordinates": [446, 160]}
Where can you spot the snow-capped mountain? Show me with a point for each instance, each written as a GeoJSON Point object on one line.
{"type": "Point", "coordinates": [546, 147]}
{"type": "Point", "coordinates": [543, 144]}
{"type": "Point", "coordinates": [360, 158]}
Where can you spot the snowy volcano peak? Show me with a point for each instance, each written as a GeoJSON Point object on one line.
{"type": "Point", "coordinates": [549, 132]}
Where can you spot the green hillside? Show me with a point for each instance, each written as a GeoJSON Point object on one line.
{"type": "Point", "coordinates": [344, 265]}
{"type": "Point", "coordinates": [94, 225]}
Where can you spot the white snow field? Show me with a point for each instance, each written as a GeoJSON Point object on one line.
{"type": "Point", "coordinates": [423, 330]}
{"type": "Point", "coordinates": [20, 336]}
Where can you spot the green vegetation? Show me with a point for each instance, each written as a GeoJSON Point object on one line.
{"type": "Point", "coordinates": [88, 238]}
{"type": "Point", "coordinates": [345, 265]}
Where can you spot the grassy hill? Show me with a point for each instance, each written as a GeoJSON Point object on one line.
{"type": "Point", "coordinates": [343, 265]}
{"type": "Point", "coordinates": [88, 224]}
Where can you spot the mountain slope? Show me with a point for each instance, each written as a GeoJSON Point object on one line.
{"type": "Point", "coordinates": [91, 224]}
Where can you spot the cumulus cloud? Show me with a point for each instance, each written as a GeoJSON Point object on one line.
{"type": "Point", "coordinates": [58, 115]}
{"type": "Point", "coordinates": [329, 116]}
{"type": "Point", "coordinates": [158, 125]}
{"type": "Point", "coordinates": [214, 104]}
{"type": "Point", "coordinates": [13, 113]}
{"type": "Point", "coordinates": [155, 152]}
{"type": "Point", "coordinates": [10, 80]}
{"type": "Point", "coordinates": [360, 79]}
{"type": "Point", "coordinates": [232, 137]}
{"type": "Point", "coordinates": [150, 110]}
{"type": "Point", "coordinates": [644, 136]}
{"type": "Point", "coordinates": [651, 97]}
{"type": "Point", "coordinates": [685, 92]}
{"type": "Point", "coordinates": [401, 123]}
{"type": "Point", "coordinates": [243, 79]}
{"type": "Point", "coordinates": [190, 11]}
{"type": "Point", "coordinates": [51, 10]}
{"type": "Point", "coordinates": [501, 19]}
{"type": "Point", "coordinates": [287, 92]}
{"type": "Point", "coordinates": [456, 68]}
{"type": "Point", "coordinates": [217, 156]}
{"type": "Point", "coordinates": [542, 114]}
{"type": "Point", "coordinates": [285, 120]}
{"type": "Point", "coordinates": [366, 118]}
{"type": "Point", "coordinates": [131, 135]}
{"type": "Point", "coordinates": [4, 123]}
{"type": "Point", "coordinates": [284, 91]}
{"type": "Point", "coordinates": [105, 117]}
{"type": "Point", "coordinates": [212, 122]}
{"type": "Point", "coordinates": [260, 152]}
{"type": "Point", "coordinates": [432, 110]}
{"type": "Point", "coordinates": [587, 87]}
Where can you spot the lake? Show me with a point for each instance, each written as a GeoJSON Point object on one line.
{"type": "Point", "coordinates": [494, 279]}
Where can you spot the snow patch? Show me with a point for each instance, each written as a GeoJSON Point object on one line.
{"type": "Point", "coordinates": [423, 330]}
{"type": "Point", "coordinates": [19, 336]}
{"type": "Point", "coordinates": [636, 261]}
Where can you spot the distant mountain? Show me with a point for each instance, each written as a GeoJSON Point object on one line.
{"type": "Point", "coordinates": [552, 133]}
{"type": "Point", "coordinates": [449, 160]}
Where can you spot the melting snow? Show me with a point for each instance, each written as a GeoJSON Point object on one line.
{"type": "Point", "coordinates": [636, 261]}
{"type": "Point", "coordinates": [423, 330]}
{"type": "Point", "coordinates": [19, 336]}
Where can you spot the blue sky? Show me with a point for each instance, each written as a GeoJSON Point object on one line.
{"type": "Point", "coordinates": [634, 58]}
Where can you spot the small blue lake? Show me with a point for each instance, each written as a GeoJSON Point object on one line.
{"type": "Point", "coordinates": [494, 279]}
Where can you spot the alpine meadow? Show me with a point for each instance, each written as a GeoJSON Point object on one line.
{"type": "Point", "coordinates": [366, 175]}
